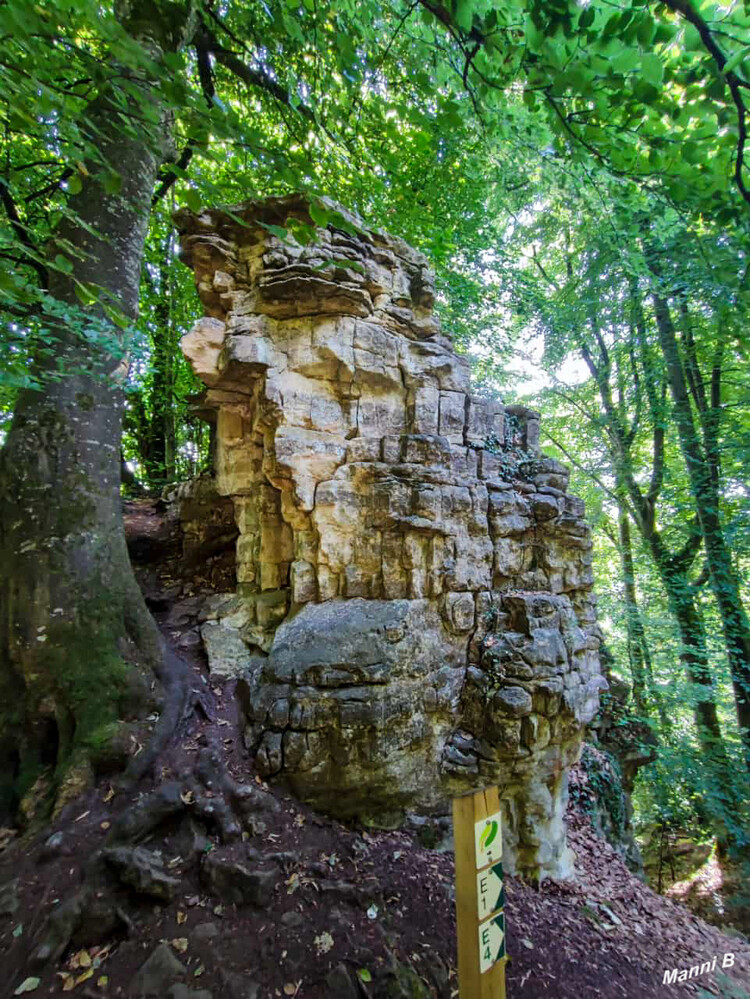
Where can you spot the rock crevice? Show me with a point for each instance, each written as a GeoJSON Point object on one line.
{"type": "Point", "coordinates": [413, 615]}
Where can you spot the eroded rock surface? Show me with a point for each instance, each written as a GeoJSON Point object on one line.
{"type": "Point", "coordinates": [413, 615]}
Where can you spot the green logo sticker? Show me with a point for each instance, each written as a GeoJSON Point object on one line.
{"type": "Point", "coordinates": [489, 834]}
{"type": "Point", "coordinates": [488, 840]}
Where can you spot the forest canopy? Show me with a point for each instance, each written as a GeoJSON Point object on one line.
{"type": "Point", "coordinates": [578, 175]}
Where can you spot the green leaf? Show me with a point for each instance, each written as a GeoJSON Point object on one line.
{"type": "Point", "coordinates": [87, 294]}
{"type": "Point", "coordinates": [74, 184]}
{"type": "Point", "coordinates": [364, 975]}
{"type": "Point", "coordinates": [193, 200]}
{"type": "Point", "coordinates": [464, 14]}
{"type": "Point", "coordinates": [319, 214]}
{"type": "Point", "coordinates": [276, 230]}
{"type": "Point", "coordinates": [587, 17]}
{"type": "Point", "coordinates": [652, 69]}
{"type": "Point", "coordinates": [115, 315]}
{"type": "Point", "coordinates": [18, 931]}
{"type": "Point", "coordinates": [112, 182]}
{"type": "Point", "coordinates": [174, 60]}
{"type": "Point", "coordinates": [733, 62]}
{"type": "Point", "coordinates": [646, 31]}
{"type": "Point", "coordinates": [626, 60]}
{"type": "Point", "coordinates": [63, 264]}
{"type": "Point", "coordinates": [338, 220]}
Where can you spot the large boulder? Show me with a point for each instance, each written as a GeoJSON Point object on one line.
{"type": "Point", "coordinates": [413, 615]}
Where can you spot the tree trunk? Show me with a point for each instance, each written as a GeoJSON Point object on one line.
{"type": "Point", "coordinates": [161, 430]}
{"type": "Point", "coordinates": [78, 648]}
{"type": "Point", "coordinates": [723, 580]}
{"type": "Point", "coordinates": [724, 807]}
{"type": "Point", "coordinates": [645, 695]}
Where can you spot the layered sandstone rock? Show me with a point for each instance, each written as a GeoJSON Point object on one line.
{"type": "Point", "coordinates": [413, 615]}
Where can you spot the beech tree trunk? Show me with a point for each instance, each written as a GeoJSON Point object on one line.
{"type": "Point", "coordinates": [645, 695]}
{"type": "Point", "coordinates": [78, 649]}
{"type": "Point", "coordinates": [152, 417]}
{"type": "Point", "coordinates": [703, 485]}
{"type": "Point", "coordinates": [165, 345]}
{"type": "Point", "coordinates": [724, 809]}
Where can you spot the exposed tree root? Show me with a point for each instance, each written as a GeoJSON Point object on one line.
{"type": "Point", "coordinates": [175, 677]}
{"type": "Point", "coordinates": [205, 798]}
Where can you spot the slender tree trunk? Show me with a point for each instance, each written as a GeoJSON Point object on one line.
{"type": "Point", "coordinates": [724, 808]}
{"type": "Point", "coordinates": [162, 429]}
{"type": "Point", "coordinates": [719, 805]}
{"type": "Point", "coordinates": [723, 580]}
{"type": "Point", "coordinates": [694, 656]}
{"type": "Point", "coordinates": [78, 649]}
{"type": "Point", "coordinates": [639, 655]}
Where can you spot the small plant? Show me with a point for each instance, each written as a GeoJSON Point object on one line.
{"type": "Point", "coordinates": [510, 455]}
{"type": "Point", "coordinates": [602, 790]}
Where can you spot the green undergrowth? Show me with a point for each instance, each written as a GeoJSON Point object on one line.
{"type": "Point", "coordinates": [601, 796]}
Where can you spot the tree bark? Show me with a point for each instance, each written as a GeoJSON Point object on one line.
{"type": "Point", "coordinates": [645, 695]}
{"type": "Point", "coordinates": [703, 486]}
{"type": "Point", "coordinates": [78, 648]}
{"type": "Point", "coordinates": [162, 427]}
{"type": "Point", "coordinates": [152, 418]}
{"type": "Point", "coordinates": [673, 570]}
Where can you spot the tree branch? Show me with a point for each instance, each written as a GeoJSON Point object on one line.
{"type": "Point", "coordinates": [542, 271]}
{"type": "Point", "coordinates": [252, 77]}
{"type": "Point", "coordinates": [683, 559]}
{"type": "Point", "coordinates": [734, 83]}
{"type": "Point", "coordinates": [582, 468]}
{"type": "Point", "coordinates": [49, 188]}
{"type": "Point", "coordinates": [21, 233]}
{"type": "Point", "coordinates": [206, 78]}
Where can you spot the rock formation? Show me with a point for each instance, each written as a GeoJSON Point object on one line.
{"type": "Point", "coordinates": [413, 615]}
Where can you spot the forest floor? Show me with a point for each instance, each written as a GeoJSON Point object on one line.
{"type": "Point", "coordinates": [327, 910]}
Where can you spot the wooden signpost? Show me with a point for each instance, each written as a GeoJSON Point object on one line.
{"type": "Point", "coordinates": [480, 895]}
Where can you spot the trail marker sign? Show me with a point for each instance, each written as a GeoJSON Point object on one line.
{"type": "Point", "coordinates": [489, 840]}
{"type": "Point", "coordinates": [491, 941]}
{"type": "Point", "coordinates": [480, 895]}
{"type": "Point", "coordinates": [490, 891]}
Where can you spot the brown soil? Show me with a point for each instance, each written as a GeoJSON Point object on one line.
{"type": "Point", "coordinates": [372, 901]}
{"type": "Point", "coordinates": [717, 890]}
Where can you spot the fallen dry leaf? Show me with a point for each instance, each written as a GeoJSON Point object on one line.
{"type": "Point", "coordinates": [323, 943]}
{"type": "Point", "coordinates": [28, 985]}
{"type": "Point", "coordinates": [6, 837]}
{"type": "Point", "coordinates": [180, 944]}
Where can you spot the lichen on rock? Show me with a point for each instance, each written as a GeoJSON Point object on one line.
{"type": "Point", "coordinates": [416, 606]}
